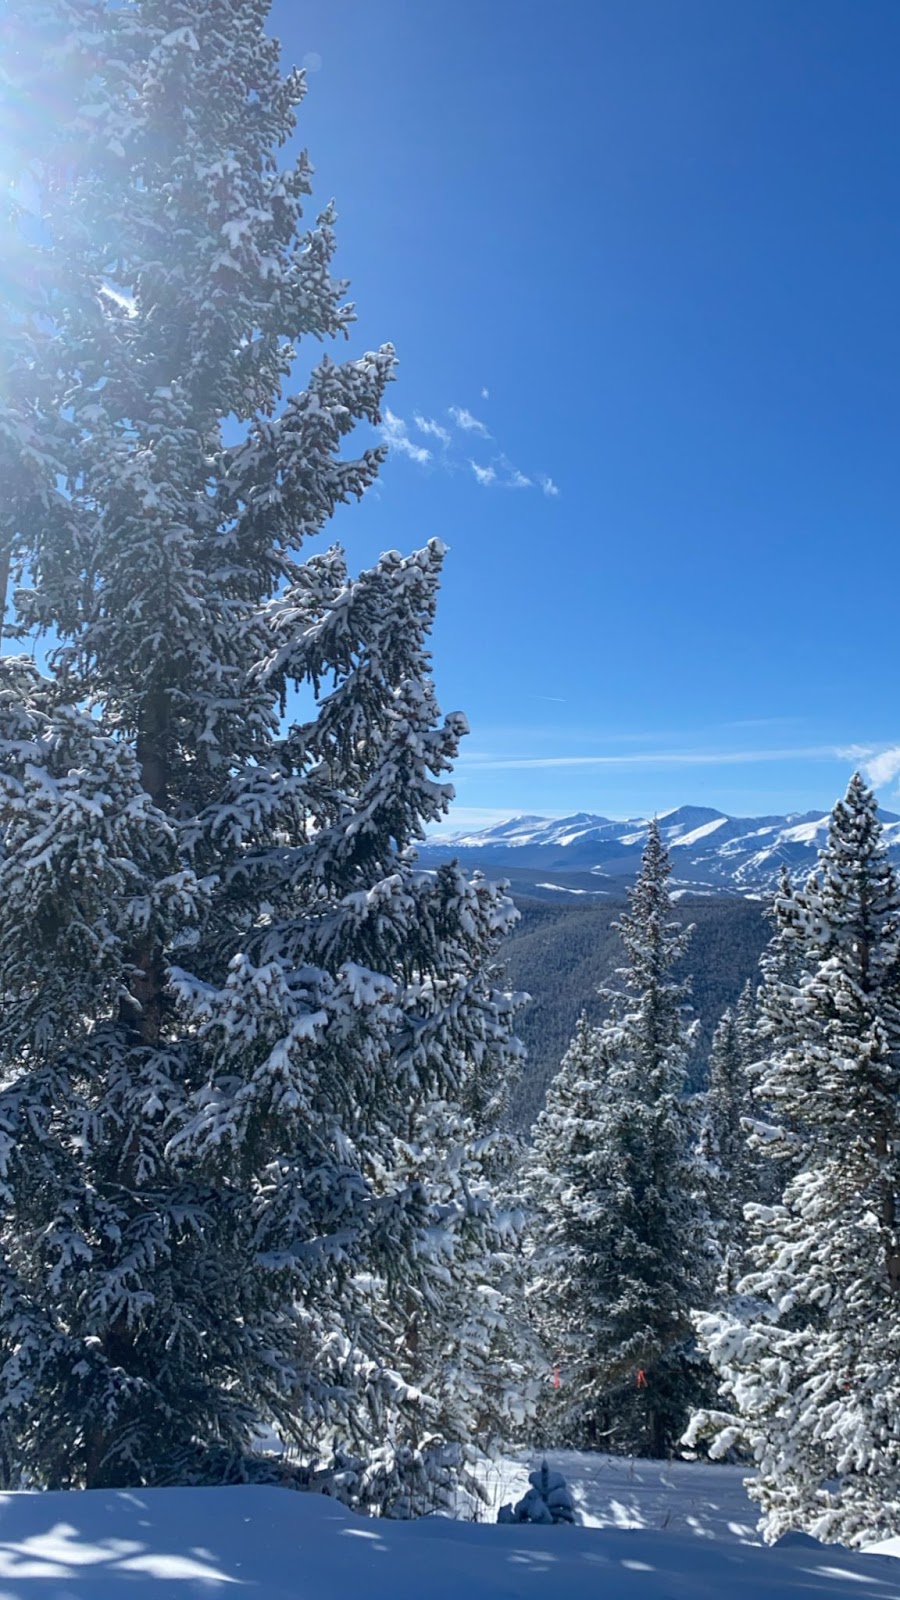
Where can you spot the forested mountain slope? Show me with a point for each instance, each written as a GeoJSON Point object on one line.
{"type": "Point", "coordinates": [561, 951]}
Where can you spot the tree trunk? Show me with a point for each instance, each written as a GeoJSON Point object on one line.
{"type": "Point", "coordinates": [152, 746]}
{"type": "Point", "coordinates": [657, 1432]}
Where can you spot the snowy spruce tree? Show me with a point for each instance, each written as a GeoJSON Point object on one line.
{"type": "Point", "coordinates": [464, 1339]}
{"type": "Point", "coordinates": [731, 1166]}
{"type": "Point", "coordinates": [228, 996]}
{"type": "Point", "coordinates": [809, 1365]}
{"type": "Point", "coordinates": [621, 1252]}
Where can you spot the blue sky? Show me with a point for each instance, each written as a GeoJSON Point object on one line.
{"type": "Point", "coordinates": [653, 250]}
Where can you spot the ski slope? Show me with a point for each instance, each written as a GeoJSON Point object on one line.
{"type": "Point", "coordinates": [651, 1532]}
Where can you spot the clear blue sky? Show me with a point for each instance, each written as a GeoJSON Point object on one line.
{"type": "Point", "coordinates": [654, 247]}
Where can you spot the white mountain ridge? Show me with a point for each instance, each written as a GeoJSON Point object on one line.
{"type": "Point", "coordinates": [710, 850]}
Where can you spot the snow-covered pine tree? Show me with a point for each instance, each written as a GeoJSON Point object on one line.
{"type": "Point", "coordinates": [565, 1188]}
{"type": "Point", "coordinates": [784, 965]}
{"type": "Point", "coordinates": [763, 1019]}
{"type": "Point", "coordinates": [746, 1020]}
{"type": "Point", "coordinates": [731, 1168]}
{"type": "Point", "coordinates": [463, 1343]}
{"type": "Point", "coordinates": [226, 987]}
{"type": "Point", "coordinates": [810, 1366]}
{"type": "Point", "coordinates": [463, 1339]}
{"type": "Point", "coordinates": [621, 1248]}
{"type": "Point", "coordinates": [547, 1501]}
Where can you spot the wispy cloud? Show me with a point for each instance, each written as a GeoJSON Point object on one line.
{"type": "Point", "coordinates": [760, 722]}
{"type": "Point", "coordinates": [501, 474]}
{"type": "Point", "coordinates": [395, 434]}
{"type": "Point", "coordinates": [467, 423]}
{"type": "Point", "coordinates": [497, 472]}
{"type": "Point", "coordinates": [879, 767]}
{"type": "Point", "coordinates": [660, 758]}
{"type": "Point", "coordinates": [434, 429]}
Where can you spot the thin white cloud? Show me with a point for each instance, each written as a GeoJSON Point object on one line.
{"type": "Point", "coordinates": [659, 758]}
{"type": "Point", "coordinates": [760, 722]}
{"type": "Point", "coordinates": [394, 432]}
{"type": "Point", "coordinates": [880, 767]}
{"type": "Point", "coordinates": [485, 394]}
{"type": "Point", "coordinates": [858, 752]}
{"type": "Point", "coordinates": [467, 423]}
{"type": "Point", "coordinates": [407, 447]}
{"type": "Point", "coordinates": [434, 429]}
{"type": "Point", "coordinates": [489, 477]}
{"type": "Point", "coordinates": [500, 473]}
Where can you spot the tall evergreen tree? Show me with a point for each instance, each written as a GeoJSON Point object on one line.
{"type": "Point", "coordinates": [463, 1339]}
{"type": "Point", "coordinates": [225, 988]}
{"type": "Point", "coordinates": [621, 1249]}
{"type": "Point", "coordinates": [731, 1167]}
{"type": "Point", "coordinates": [463, 1342]}
{"type": "Point", "coordinates": [809, 1366]}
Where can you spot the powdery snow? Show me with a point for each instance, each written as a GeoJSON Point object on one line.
{"type": "Point", "coordinates": [701, 1498]}
{"type": "Point", "coordinates": [278, 1545]}
{"type": "Point", "coordinates": [885, 1547]}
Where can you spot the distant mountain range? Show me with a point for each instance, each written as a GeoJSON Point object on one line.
{"type": "Point", "coordinates": [711, 853]}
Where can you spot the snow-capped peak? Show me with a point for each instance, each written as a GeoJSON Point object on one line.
{"type": "Point", "coordinates": [714, 851]}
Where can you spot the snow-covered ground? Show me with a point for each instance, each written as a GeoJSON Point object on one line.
{"type": "Point", "coordinates": [652, 1532]}
{"type": "Point", "coordinates": [684, 1497]}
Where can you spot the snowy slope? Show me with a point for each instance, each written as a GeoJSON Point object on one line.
{"type": "Point", "coordinates": [711, 852]}
{"type": "Point", "coordinates": [524, 831]}
{"type": "Point", "coordinates": [161, 1543]}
